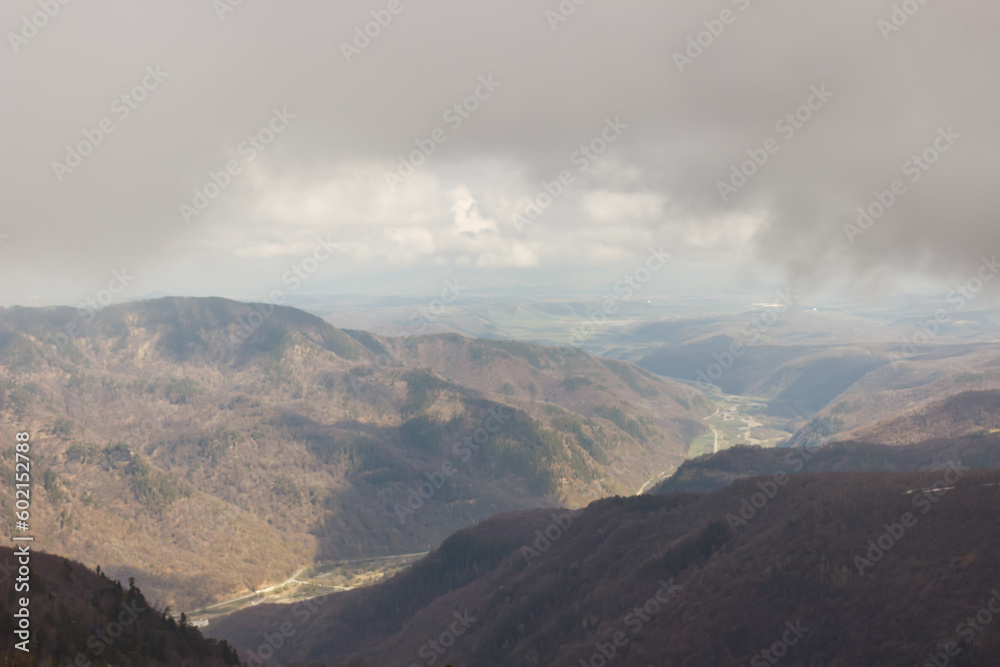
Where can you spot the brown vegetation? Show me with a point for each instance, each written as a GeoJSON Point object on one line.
{"type": "Point", "coordinates": [210, 451]}
{"type": "Point", "coordinates": [792, 561]}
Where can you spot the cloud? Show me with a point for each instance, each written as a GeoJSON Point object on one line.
{"type": "Point", "coordinates": [466, 210]}
{"type": "Point", "coordinates": [354, 122]}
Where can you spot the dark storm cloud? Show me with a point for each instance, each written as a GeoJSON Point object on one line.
{"type": "Point", "coordinates": [691, 119]}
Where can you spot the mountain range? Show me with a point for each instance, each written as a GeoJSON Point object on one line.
{"type": "Point", "coordinates": [223, 456]}
{"type": "Point", "coordinates": [210, 448]}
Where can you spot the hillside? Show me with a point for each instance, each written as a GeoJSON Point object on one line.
{"type": "Point", "coordinates": [180, 440]}
{"type": "Point", "coordinates": [711, 471]}
{"type": "Point", "coordinates": [81, 617]}
{"type": "Point", "coordinates": [682, 579]}
{"type": "Point", "coordinates": [957, 415]}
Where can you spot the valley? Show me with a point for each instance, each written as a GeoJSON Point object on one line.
{"type": "Point", "coordinates": [312, 580]}
{"type": "Point", "coordinates": [349, 458]}
{"type": "Point", "coordinates": [500, 334]}
{"type": "Point", "coordinates": [191, 448]}
{"type": "Point", "coordinates": [740, 420]}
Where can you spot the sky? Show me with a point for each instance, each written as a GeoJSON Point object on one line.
{"type": "Point", "coordinates": [385, 147]}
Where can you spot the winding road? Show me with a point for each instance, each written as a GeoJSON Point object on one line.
{"type": "Point", "coordinates": [290, 580]}
{"type": "Point", "coordinates": [659, 475]}
{"type": "Point", "coordinates": [295, 580]}
{"type": "Point", "coordinates": [715, 445]}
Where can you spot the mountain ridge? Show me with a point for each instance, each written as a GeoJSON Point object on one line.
{"type": "Point", "coordinates": [182, 431]}
{"type": "Point", "coordinates": [809, 555]}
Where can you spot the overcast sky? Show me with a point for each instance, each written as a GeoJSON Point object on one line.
{"type": "Point", "coordinates": [199, 78]}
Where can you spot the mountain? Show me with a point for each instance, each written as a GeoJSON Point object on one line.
{"type": "Point", "coordinates": [83, 618]}
{"type": "Point", "coordinates": [211, 448]}
{"type": "Point", "coordinates": [851, 370]}
{"type": "Point", "coordinates": [830, 569]}
{"type": "Point", "coordinates": [711, 471]}
{"type": "Point", "coordinates": [969, 412]}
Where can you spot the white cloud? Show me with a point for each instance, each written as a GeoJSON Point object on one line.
{"type": "Point", "coordinates": [466, 212]}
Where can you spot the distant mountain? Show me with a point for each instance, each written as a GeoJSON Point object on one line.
{"type": "Point", "coordinates": [829, 569]}
{"type": "Point", "coordinates": [798, 379]}
{"type": "Point", "coordinates": [210, 448]}
{"type": "Point", "coordinates": [854, 371]}
{"type": "Point", "coordinates": [78, 617]}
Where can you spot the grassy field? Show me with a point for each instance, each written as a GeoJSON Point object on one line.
{"type": "Point", "coordinates": [739, 420]}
